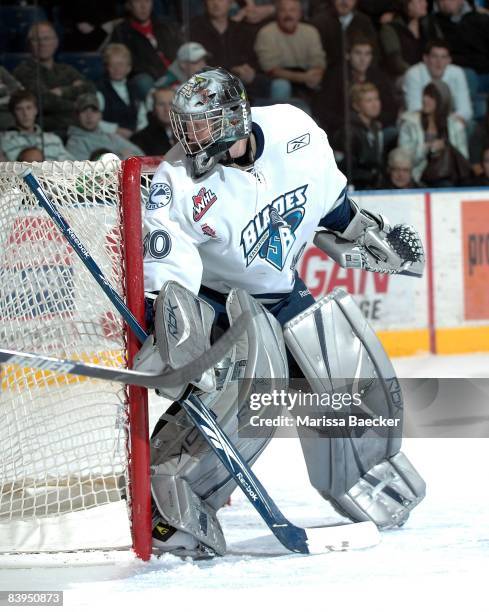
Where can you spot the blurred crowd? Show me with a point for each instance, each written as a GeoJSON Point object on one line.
{"type": "Point", "coordinates": [400, 86]}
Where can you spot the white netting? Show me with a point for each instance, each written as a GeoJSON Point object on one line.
{"type": "Point", "coordinates": [63, 440]}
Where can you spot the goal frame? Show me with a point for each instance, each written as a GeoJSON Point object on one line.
{"type": "Point", "coordinates": [138, 452]}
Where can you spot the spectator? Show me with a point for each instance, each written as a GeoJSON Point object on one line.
{"type": "Point", "coordinates": [7, 87]}
{"type": "Point", "coordinates": [291, 53]}
{"type": "Point", "coordinates": [483, 178]}
{"type": "Point", "coordinates": [341, 24]}
{"type": "Point", "coordinates": [153, 44]}
{"type": "Point", "coordinates": [436, 66]}
{"type": "Point", "coordinates": [191, 57]}
{"type": "Point", "coordinates": [366, 139]}
{"type": "Point", "coordinates": [479, 140]}
{"type": "Point", "coordinates": [157, 138]}
{"type": "Point", "coordinates": [87, 136]}
{"type": "Point", "coordinates": [379, 11]}
{"type": "Point", "coordinates": [123, 112]}
{"type": "Point", "coordinates": [466, 32]}
{"type": "Point", "coordinates": [329, 104]}
{"type": "Point", "coordinates": [400, 170]}
{"type": "Point", "coordinates": [27, 134]}
{"type": "Point", "coordinates": [255, 12]}
{"type": "Point", "coordinates": [87, 24]}
{"type": "Point", "coordinates": [57, 85]}
{"type": "Point", "coordinates": [230, 46]}
{"type": "Point", "coordinates": [437, 141]}
{"type": "Point", "coordinates": [31, 154]}
{"type": "Point", "coordinates": [403, 39]}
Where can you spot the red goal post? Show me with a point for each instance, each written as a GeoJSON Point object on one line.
{"type": "Point", "coordinates": [132, 171]}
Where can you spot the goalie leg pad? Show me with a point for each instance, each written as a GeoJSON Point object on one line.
{"type": "Point", "coordinates": [184, 510]}
{"type": "Point", "coordinates": [182, 329]}
{"type": "Point", "coordinates": [386, 494]}
{"type": "Point", "coordinates": [335, 347]}
{"type": "Point", "coordinates": [258, 360]}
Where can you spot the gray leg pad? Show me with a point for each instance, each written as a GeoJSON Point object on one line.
{"type": "Point", "coordinates": [386, 494]}
{"type": "Point", "coordinates": [183, 509]}
{"type": "Point", "coordinates": [335, 347]}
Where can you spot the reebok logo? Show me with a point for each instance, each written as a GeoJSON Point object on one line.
{"type": "Point", "coordinates": [298, 143]}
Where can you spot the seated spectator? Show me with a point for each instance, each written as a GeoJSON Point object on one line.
{"type": "Point", "coordinates": [437, 141]}
{"type": "Point", "coordinates": [157, 138]}
{"type": "Point", "coordinates": [366, 139]}
{"type": "Point", "coordinates": [437, 66]}
{"type": "Point", "coordinates": [483, 179]}
{"type": "Point", "coordinates": [399, 170]}
{"type": "Point", "coordinates": [31, 154]}
{"type": "Point", "coordinates": [467, 33]}
{"type": "Point", "coordinates": [86, 25]}
{"type": "Point", "coordinates": [342, 24]}
{"type": "Point", "coordinates": [329, 104]}
{"type": "Point", "coordinates": [479, 140]}
{"type": "Point", "coordinates": [7, 87]}
{"type": "Point", "coordinates": [255, 12]}
{"type": "Point", "coordinates": [122, 111]}
{"type": "Point", "coordinates": [153, 44]}
{"type": "Point", "coordinates": [379, 11]}
{"type": "Point", "coordinates": [404, 39]}
{"type": "Point", "coordinates": [87, 136]}
{"type": "Point", "coordinates": [230, 46]}
{"type": "Point", "coordinates": [191, 57]}
{"type": "Point", "coordinates": [27, 134]}
{"type": "Point", "coordinates": [291, 53]}
{"type": "Point", "coordinates": [57, 84]}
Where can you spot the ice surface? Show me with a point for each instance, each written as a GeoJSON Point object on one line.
{"type": "Point", "coordinates": [438, 561]}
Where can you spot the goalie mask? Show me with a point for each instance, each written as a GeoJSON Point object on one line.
{"type": "Point", "coordinates": [209, 113]}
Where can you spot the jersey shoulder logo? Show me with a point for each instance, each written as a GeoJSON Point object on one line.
{"type": "Point", "coordinates": [298, 143]}
{"type": "Point", "coordinates": [160, 195]}
{"type": "Point", "coordinates": [202, 202]}
{"type": "Point", "coordinates": [270, 235]}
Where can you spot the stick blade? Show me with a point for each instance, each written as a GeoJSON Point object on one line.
{"type": "Point", "coordinates": [352, 536]}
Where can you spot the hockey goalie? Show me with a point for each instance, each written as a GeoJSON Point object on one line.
{"type": "Point", "coordinates": [230, 211]}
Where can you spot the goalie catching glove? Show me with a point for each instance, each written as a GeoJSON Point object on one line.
{"type": "Point", "coordinates": [369, 242]}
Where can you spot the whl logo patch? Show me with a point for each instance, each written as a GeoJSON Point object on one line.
{"type": "Point", "coordinates": [271, 233]}
{"type": "Point", "coordinates": [298, 143]}
{"type": "Point", "coordinates": [202, 202]}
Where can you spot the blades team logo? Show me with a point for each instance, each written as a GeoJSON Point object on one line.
{"type": "Point", "coordinates": [271, 234]}
{"type": "Point", "coordinates": [202, 202]}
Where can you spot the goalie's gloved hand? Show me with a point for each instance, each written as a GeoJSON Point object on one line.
{"type": "Point", "coordinates": [369, 242]}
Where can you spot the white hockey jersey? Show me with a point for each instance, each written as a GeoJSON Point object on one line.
{"type": "Point", "coordinates": [236, 228]}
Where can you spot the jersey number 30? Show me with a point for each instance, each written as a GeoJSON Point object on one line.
{"type": "Point", "coordinates": [157, 244]}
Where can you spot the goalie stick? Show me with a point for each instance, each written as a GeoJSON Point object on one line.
{"type": "Point", "coordinates": [296, 539]}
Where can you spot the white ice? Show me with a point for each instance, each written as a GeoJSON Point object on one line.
{"type": "Point", "coordinates": [438, 561]}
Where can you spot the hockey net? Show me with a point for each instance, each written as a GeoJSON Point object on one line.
{"type": "Point", "coordinates": [74, 455]}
